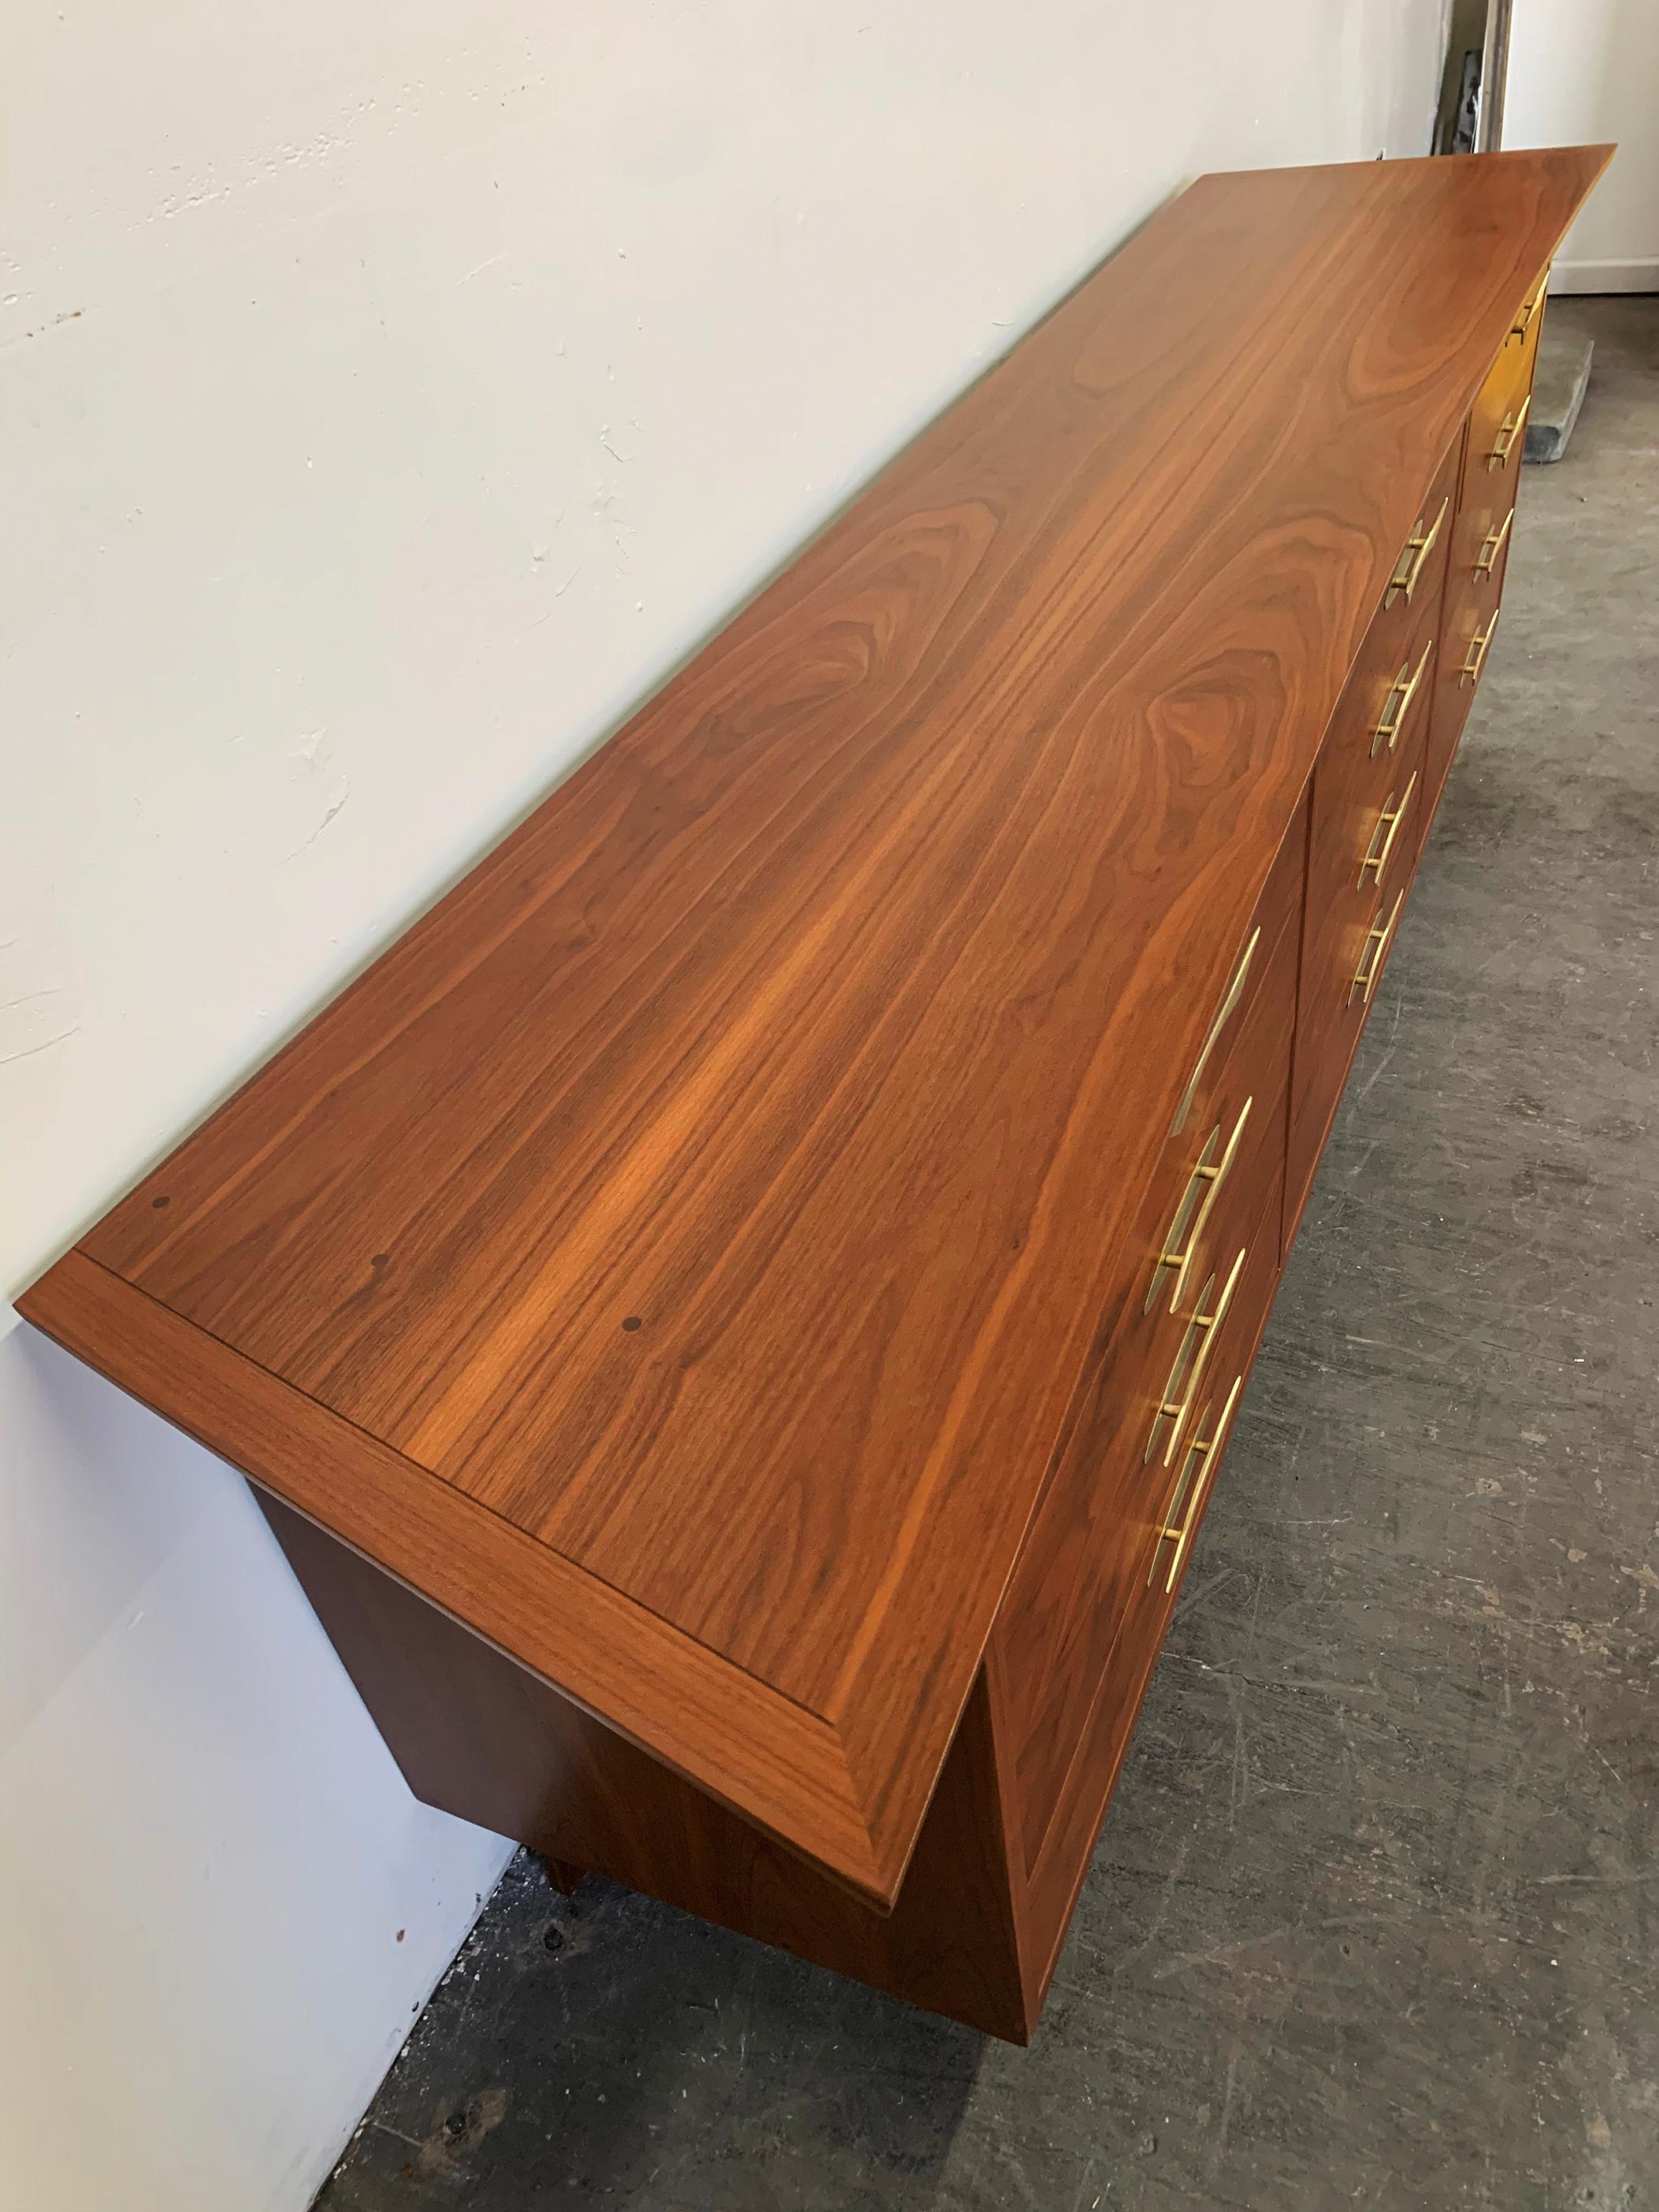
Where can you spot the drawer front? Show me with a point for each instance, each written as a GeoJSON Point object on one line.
{"type": "Point", "coordinates": [1480, 545]}
{"type": "Point", "coordinates": [1078, 1572]}
{"type": "Point", "coordinates": [1413, 589]}
{"type": "Point", "coordinates": [1064, 1604]}
{"type": "Point", "coordinates": [1497, 423]}
{"type": "Point", "coordinates": [1485, 500]}
{"type": "Point", "coordinates": [1251, 977]}
{"type": "Point", "coordinates": [1060, 1613]}
{"type": "Point", "coordinates": [1157, 1540]}
{"type": "Point", "coordinates": [1472, 595]}
{"type": "Point", "coordinates": [1374, 745]}
{"type": "Point", "coordinates": [1369, 798]}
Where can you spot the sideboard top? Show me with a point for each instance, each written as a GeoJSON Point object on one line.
{"type": "Point", "coordinates": [675, 1256]}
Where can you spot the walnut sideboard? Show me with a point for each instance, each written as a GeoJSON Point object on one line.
{"type": "Point", "coordinates": [735, 1317]}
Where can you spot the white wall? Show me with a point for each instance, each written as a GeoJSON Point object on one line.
{"type": "Point", "coordinates": [1587, 71]}
{"type": "Point", "coordinates": [390, 395]}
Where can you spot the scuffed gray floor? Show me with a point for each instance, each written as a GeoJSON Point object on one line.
{"type": "Point", "coordinates": [1373, 1919]}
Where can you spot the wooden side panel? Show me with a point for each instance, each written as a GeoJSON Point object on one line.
{"type": "Point", "coordinates": [479, 1736]}
{"type": "Point", "coordinates": [783, 1767]}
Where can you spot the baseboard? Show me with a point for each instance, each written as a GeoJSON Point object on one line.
{"type": "Point", "coordinates": [1606, 276]}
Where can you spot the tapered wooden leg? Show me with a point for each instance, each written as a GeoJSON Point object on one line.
{"type": "Point", "coordinates": [565, 1877]}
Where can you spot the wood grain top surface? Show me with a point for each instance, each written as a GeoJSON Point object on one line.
{"type": "Point", "coordinates": [704, 1210]}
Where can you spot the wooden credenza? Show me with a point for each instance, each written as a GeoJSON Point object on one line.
{"type": "Point", "coordinates": [736, 1317]}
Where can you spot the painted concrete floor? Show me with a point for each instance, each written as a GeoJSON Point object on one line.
{"type": "Point", "coordinates": [1374, 1918]}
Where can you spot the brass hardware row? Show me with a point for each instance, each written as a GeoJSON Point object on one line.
{"type": "Point", "coordinates": [1529, 307]}
{"type": "Point", "coordinates": [1230, 999]}
{"type": "Point", "coordinates": [1388, 826]}
{"type": "Point", "coordinates": [1187, 1229]}
{"type": "Point", "coordinates": [1479, 646]}
{"type": "Point", "coordinates": [1398, 704]}
{"type": "Point", "coordinates": [1416, 550]}
{"type": "Point", "coordinates": [1190, 1362]}
{"type": "Point", "coordinates": [1376, 951]}
{"type": "Point", "coordinates": [1504, 443]}
{"type": "Point", "coordinates": [1203, 1451]}
{"type": "Point", "coordinates": [1492, 545]}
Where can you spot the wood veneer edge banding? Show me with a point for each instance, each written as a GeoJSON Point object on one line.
{"type": "Point", "coordinates": [805, 1772]}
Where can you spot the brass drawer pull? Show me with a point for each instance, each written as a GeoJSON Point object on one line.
{"type": "Point", "coordinates": [1230, 999]}
{"type": "Point", "coordinates": [1202, 1453]}
{"type": "Point", "coordinates": [1376, 951]}
{"type": "Point", "coordinates": [1398, 704]}
{"type": "Point", "coordinates": [1186, 1229]}
{"type": "Point", "coordinates": [1479, 646]}
{"type": "Point", "coordinates": [1190, 1362]}
{"type": "Point", "coordinates": [1416, 550]}
{"type": "Point", "coordinates": [1388, 824]}
{"type": "Point", "coordinates": [1492, 545]}
{"type": "Point", "coordinates": [1504, 443]}
{"type": "Point", "coordinates": [1529, 307]}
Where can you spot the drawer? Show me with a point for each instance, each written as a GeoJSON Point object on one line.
{"type": "Point", "coordinates": [1497, 422]}
{"type": "Point", "coordinates": [1413, 588]}
{"type": "Point", "coordinates": [1379, 722]}
{"type": "Point", "coordinates": [1471, 623]}
{"type": "Point", "coordinates": [1154, 1537]}
{"type": "Point", "coordinates": [1479, 550]}
{"type": "Point", "coordinates": [1369, 802]}
{"type": "Point", "coordinates": [1250, 977]}
{"type": "Point", "coordinates": [1523, 332]}
{"type": "Point", "coordinates": [1075, 1579]}
{"type": "Point", "coordinates": [1164, 1544]}
{"type": "Point", "coordinates": [1061, 1610]}
{"type": "Point", "coordinates": [1365, 793]}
